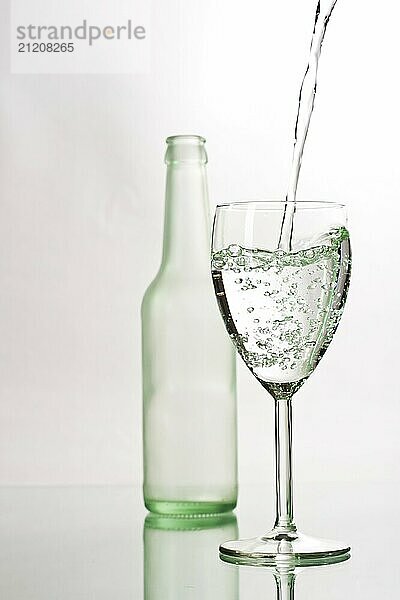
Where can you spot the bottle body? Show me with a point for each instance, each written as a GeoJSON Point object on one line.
{"type": "Point", "coordinates": [189, 379]}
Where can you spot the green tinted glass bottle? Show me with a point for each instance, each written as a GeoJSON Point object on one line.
{"type": "Point", "coordinates": [189, 379]}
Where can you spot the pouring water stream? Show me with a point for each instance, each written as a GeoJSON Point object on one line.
{"type": "Point", "coordinates": [305, 109]}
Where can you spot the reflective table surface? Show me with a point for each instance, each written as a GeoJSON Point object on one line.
{"type": "Point", "coordinates": [97, 542]}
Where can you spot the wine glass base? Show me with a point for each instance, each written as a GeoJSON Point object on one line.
{"type": "Point", "coordinates": [293, 548]}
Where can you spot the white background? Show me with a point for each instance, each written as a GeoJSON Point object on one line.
{"type": "Point", "coordinates": [81, 214]}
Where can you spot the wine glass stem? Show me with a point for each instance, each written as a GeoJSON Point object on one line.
{"type": "Point", "coordinates": [283, 465]}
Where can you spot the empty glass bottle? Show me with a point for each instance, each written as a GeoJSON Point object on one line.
{"type": "Point", "coordinates": [189, 379]}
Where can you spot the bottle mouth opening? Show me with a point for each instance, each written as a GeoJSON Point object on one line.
{"type": "Point", "coordinates": [185, 139]}
{"type": "Point", "coordinates": [185, 150]}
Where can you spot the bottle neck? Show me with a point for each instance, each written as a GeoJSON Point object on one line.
{"type": "Point", "coordinates": [186, 244]}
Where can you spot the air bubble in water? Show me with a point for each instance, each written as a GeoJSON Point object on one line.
{"type": "Point", "coordinates": [234, 250]}
{"type": "Point", "coordinates": [218, 263]}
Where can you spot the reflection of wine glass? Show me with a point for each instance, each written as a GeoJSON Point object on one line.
{"type": "Point", "coordinates": [281, 310]}
{"type": "Point", "coordinates": [285, 574]}
{"type": "Point", "coordinates": [180, 559]}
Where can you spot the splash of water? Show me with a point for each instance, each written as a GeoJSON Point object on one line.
{"type": "Point", "coordinates": [305, 109]}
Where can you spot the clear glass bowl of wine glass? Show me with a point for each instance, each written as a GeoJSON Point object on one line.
{"type": "Point", "coordinates": [281, 308]}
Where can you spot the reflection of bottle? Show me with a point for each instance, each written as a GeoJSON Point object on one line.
{"type": "Point", "coordinates": [181, 558]}
{"type": "Point", "coordinates": [189, 403]}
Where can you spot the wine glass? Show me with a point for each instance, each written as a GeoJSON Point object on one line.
{"type": "Point", "coordinates": [281, 310]}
